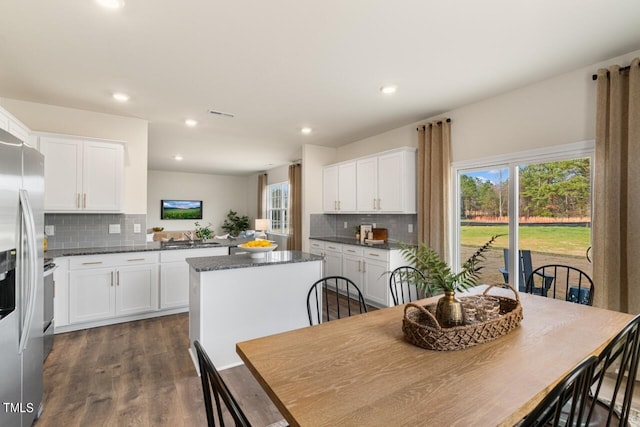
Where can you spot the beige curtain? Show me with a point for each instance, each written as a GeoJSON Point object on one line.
{"type": "Point", "coordinates": [616, 216]}
{"type": "Point", "coordinates": [262, 202]}
{"type": "Point", "coordinates": [294, 241]}
{"type": "Point", "coordinates": [434, 145]}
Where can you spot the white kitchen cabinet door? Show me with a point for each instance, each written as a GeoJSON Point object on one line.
{"type": "Point", "coordinates": [330, 189]}
{"type": "Point", "coordinates": [333, 264]}
{"type": "Point", "coordinates": [136, 289]}
{"type": "Point", "coordinates": [102, 177]}
{"type": "Point", "coordinates": [91, 295]}
{"type": "Point", "coordinates": [347, 187]}
{"type": "Point", "coordinates": [376, 282]}
{"type": "Point", "coordinates": [62, 173]}
{"type": "Point", "coordinates": [174, 286]}
{"type": "Point", "coordinates": [367, 180]}
{"type": "Point", "coordinates": [82, 175]}
{"type": "Point", "coordinates": [391, 182]}
{"type": "Point", "coordinates": [352, 269]}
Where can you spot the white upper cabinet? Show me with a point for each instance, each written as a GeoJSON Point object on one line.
{"type": "Point", "coordinates": [82, 175]}
{"type": "Point", "coordinates": [339, 188]}
{"type": "Point", "coordinates": [384, 183]}
{"type": "Point", "coordinates": [13, 126]}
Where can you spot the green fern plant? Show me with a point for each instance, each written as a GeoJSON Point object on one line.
{"type": "Point", "coordinates": [438, 276]}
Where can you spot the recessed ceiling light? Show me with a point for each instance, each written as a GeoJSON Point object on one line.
{"type": "Point", "coordinates": [190, 122]}
{"type": "Point", "coordinates": [121, 97]}
{"type": "Point", "coordinates": [111, 4]}
{"type": "Point", "coordinates": [388, 90]}
{"type": "Point", "coordinates": [177, 157]}
{"type": "Point", "coordinates": [306, 130]}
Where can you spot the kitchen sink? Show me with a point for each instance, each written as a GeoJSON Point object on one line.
{"type": "Point", "coordinates": [188, 244]}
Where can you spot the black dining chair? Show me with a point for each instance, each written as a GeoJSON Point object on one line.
{"type": "Point", "coordinates": [212, 383]}
{"type": "Point", "coordinates": [402, 284]}
{"type": "Point", "coordinates": [569, 283]}
{"type": "Point", "coordinates": [334, 297]}
{"type": "Point", "coordinates": [525, 268]}
{"type": "Point", "coordinates": [567, 403]}
{"type": "Point", "coordinates": [614, 378]}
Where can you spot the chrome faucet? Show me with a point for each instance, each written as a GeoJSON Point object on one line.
{"type": "Point", "coordinates": [189, 235]}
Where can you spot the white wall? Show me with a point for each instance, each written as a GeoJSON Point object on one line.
{"type": "Point", "coordinates": [69, 121]}
{"type": "Point", "coordinates": [313, 159]}
{"type": "Point", "coordinates": [219, 193]}
{"type": "Point", "coordinates": [556, 111]}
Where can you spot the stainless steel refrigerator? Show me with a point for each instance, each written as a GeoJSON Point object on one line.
{"type": "Point", "coordinates": [21, 290]}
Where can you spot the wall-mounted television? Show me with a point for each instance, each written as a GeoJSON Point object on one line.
{"type": "Point", "coordinates": [181, 209]}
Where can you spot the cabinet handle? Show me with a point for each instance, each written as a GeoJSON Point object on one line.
{"type": "Point", "coordinates": [335, 205]}
{"type": "Point", "coordinates": [338, 204]}
{"type": "Point", "coordinates": [118, 278]}
{"type": "Point", "coordinates": [92, 263]}
{"type": "Point", "coordinates": [374, 204]}
{"type": "Point", "coordinates": [350, 250]}
{"type": "Point", "coordinates": [359, 265]}
{"type": "Point", "coordinates": [136, 259]}
{"type": "Point", "coordinates": [85, 200]}
{"type": "Point", "coordinates": [54, 288]}
{"type": "Point", "coordinates": [78, 200]}
{"type": "Point", "coordinates": [112, 279]}
{"type": "Point", "coordinates": [373, 254]}
{"type": "Point", "coordinates": [364, 268]}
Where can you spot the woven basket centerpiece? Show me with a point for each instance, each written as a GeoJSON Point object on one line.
{"type": "Point", "coordinates": [487, 317]}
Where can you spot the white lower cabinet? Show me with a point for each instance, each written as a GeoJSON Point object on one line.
{"type": "Point", "coordinates": [174, 274]}
{"type": "Point", "coordinates": [332, 253]}
{"type": "Point", "coordinates": [107, 286]}
{"type": "Point", "coordinates": [369, 268]}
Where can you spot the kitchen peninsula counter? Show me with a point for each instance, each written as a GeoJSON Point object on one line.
{"type": "Point", "coordinates": [237, 298]}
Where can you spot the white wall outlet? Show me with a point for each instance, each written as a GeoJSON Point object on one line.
{"type": "Point", "coordinates": [114, 228]}
{"type": "Point", "coordinates": [136, 228]}
{"type": "Point", "coordinates": [410, 227]}
{"type": "Point", "coordinates": [346, 224]}
{"type": "Point", "coordinates": [50, 230]}
{"type": "Point", "coordinates": [374, 225]}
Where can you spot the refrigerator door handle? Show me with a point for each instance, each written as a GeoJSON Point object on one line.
{"type": "Point", "coordinates": [30, 229]}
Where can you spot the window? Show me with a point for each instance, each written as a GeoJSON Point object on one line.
{"type": "Point", "coordinates": [539, 201]}
{"type": "Point", "coordinates": [278, 207]}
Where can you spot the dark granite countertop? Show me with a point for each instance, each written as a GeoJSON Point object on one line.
{"type": "Point", "coordinates": [152, 246]}
{"type": "Point", "coordinates": [389, 246]}
{"type": "Point", "coordinates": [213, 263]}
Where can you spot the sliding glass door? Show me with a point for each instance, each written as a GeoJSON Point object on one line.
{"type": "Point", "coordinates": [538, 203]}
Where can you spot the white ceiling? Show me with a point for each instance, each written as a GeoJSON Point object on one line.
{"type": "Point", "coordinates": [284, 64]}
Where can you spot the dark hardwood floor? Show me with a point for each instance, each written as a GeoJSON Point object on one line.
{"type": "Point", "coordinates": [136, 374]}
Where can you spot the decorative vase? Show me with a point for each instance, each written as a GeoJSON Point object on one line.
{"type": "Point", "coordinates": [449, 311]}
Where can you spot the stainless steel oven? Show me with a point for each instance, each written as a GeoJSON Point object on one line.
{"type": "Point", "coordinates": [49, 293]}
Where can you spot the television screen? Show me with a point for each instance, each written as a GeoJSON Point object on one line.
{"type": "Point", "coordinates": [181, 209]}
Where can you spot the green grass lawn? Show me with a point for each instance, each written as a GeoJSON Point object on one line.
{"type": "Point", "coordinates": [548, 239]}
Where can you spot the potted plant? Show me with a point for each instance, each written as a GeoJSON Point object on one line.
{"type": "Point", "coordinates": [203, 232]}
{"type": "Point", "coordinates": [438, 276]}
{"type": "Point", "coordinates": [235, 224]}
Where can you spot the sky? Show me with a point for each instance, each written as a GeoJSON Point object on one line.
{"type": "Point", "coordinates": [490, 175]}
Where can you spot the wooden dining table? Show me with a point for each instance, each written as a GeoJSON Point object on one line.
{"type": "Point", "coordinates": [360, 371]}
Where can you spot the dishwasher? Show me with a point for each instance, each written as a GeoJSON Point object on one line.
{"type": "Point", "coordinates": [49, 294]}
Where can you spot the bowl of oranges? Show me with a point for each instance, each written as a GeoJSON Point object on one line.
{"type": "Point", "coordinates": [257, 248]}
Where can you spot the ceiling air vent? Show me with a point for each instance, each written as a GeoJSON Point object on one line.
{"type": "Point", "coordinates": [221, 113]}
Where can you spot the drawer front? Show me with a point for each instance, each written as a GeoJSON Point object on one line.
{"type": "Point", "coordinates": [376, 254]}
{"type": "Point", "coordinates": [316, 244]}
{"type": "Point", "coordinates": [183, 254]}
{"type": "Point", "coordinates": [352, 250]}
{"type": "Point", "coordinates": [112, 260]}
{"type": "Point", "coordinates": [333, 247]}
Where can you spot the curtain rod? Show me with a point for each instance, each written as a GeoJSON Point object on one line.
{"type": "Point", "coordinates": [628, 67]}
{"type": "Point", "coordinates": [430, 124]}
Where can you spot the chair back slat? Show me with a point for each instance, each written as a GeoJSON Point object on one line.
{"type": "Point", "coordinates": [337, 294]}
{"type": "Point", "coordinates": [212, 383]}
{"type": "Point", "coordinates": [561, 282]}
{"type": "Point", "coordinates": [402, 284]}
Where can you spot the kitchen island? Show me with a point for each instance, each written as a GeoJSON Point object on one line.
{"type": "Point", "coordinates": [237, 298]}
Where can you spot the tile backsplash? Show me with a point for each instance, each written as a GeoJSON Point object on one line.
{"type": "Point", "coordinates": [324, 225]}
{"type": "Point", "coordinates": [92, 230]}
